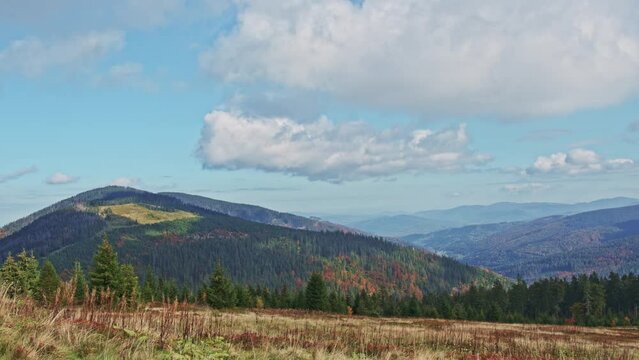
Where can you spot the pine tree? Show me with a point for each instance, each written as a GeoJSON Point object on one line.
{"type": "Point", "coordinates": [316, 293]}
{"type": "Point", "coordinates": [27, 273]}
{"type": "Point", "coordinates": [80, 283]}
{"type": "Point", "coordinates": [48, 283]}
{"type": "Point", "coordinates": [106, 271]}
{"type": "Point", "coordinates": [150, 288]}
{"type": "Point", "coordinates": [10, 274]}
{"type": "Point", "coordinates": [220, 293]}
{"type": "Point", "coordinates": [128, 281]}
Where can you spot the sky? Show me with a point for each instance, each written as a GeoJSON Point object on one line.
{"type": "Point", "coordinates": [320, 107]}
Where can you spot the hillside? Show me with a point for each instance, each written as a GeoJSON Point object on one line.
{"type": "Point", "coordinates": [244, 211]}
{"type": "Point", "coordinates": [602, 241]}
{"type": "Point", "coordinates": [257, 213]}
{"type": "Point", "coordinates": [424, 222]}
{"type": "Point", "coordinates": [183, 241]}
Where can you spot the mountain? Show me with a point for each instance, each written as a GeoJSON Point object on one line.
{"type": "Point", "coordinates": [400, 225]}
{"type": "Point", "coordinates": [509, 212]}
{"type": "Point", "coordinates": [602, 241]}
{"type": "Point", "coordinates": [180, 239]}
{"type": "Point", "coordinates": [244, 211]}
{"type": "Point", "coordinates": [258, 214]}
{"type": "Point", "coordinates": [424, 222]}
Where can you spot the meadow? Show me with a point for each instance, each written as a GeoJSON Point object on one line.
{"type": "Point", "coordinates": [182, 331]}
{"type": "Point", "coordinates": [144, 215]}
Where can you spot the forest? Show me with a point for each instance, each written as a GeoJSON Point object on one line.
{"type": "Point", "coordinates": [590, 300]}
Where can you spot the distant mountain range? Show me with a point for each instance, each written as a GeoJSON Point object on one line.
{"type": "Point", "coordinates": [602, 241]}
{"type": "Point", "coordinates": [424, 222]}
{"type": "Point", "coordinates": [181, 236]}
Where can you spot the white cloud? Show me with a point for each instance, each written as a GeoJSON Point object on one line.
{"type": "Point", "coordinates": [577, 161]}
{"type": "Point", "coordinates": [17, 174]}
{"type": "Point", "coordinates": [323, 150]}
{"type": "Point", "coordinates": [513, 58]}
{"type": "Point", "coordinates": [125, 181]}
{"type": "Point", "coordinates": [634, 126]}
{"type": "Point", "coordinates": [61, 179]}
{"type": "Point", "coordinates": [33, 56]}
{"type": "Point", "coordinates": [524, 187]}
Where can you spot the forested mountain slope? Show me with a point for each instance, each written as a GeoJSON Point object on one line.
{"type": "Point", "coordinates": [602, 241]}
{"type": "Point", "coordinates": [257, 213]}
{"type": "Point", "coordinates": [184, 241]}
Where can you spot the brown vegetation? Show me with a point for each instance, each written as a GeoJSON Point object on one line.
{"type": "Point", "coordinates": [184, 331]}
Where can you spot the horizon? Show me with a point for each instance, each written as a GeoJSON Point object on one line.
{"type": "Point", "coordinates": [334, 215]}
{"type": "Point", "coordinates": [342, 107]}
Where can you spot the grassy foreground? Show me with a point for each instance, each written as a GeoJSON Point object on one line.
{"type": "Point", "coordinates": [172, 331]}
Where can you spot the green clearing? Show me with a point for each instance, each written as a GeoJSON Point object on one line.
{"type": "Point", "coordinates": [143, 215]}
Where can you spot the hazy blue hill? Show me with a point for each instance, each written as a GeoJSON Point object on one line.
{"type": "Point", "coordinates": [400, 225]}
{"type": "Point", "coordinates": [186, 246]}
{"type": "Point", "coordinates": [601, 240]}
{"type": "Point", "coordinates": [424, 222]}
{"type": "Point", "coordinates": [508, 212]}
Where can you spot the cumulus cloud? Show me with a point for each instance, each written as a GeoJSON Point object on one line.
{"type": "Point", "coordinates": [323, 150]}
{"type": "Point", "coordinates": [511, 58]}
{"type": "Point", "coordinates": [125, 181]}
{"type": "Point", "coordinates": [61, 179]}
{"type": "Point", "coordinates": [524, 187]}
{"type": "Point", "coordinates": [33, 56]}
{"type": "Point", "coordinates": [17, 174]}
{"type": "Point", "coordinates": [576, 162]}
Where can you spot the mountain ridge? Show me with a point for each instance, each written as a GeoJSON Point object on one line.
{"type": "Point", "coordinates": [423, 222]}
{"type": "Point", "coordinates": [182, 241]}
{"type": "Point", "coordinates": [562, 245]}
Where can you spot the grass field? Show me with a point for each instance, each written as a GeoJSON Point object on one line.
{"type": "Point", "coordinates": [144, 215]}
{"type": "Point", "coordinates": [172, 331]}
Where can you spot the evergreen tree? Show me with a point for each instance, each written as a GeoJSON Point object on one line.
{"type": "Point", "coordinates": [28, 273]}
{"type": "Point", "coordinates": [106, 271]}
{"type": "Point", "coordinates": [48, 283]}
{"type": "Point", "coordinates": [220, 292]}
{"type": "Point", "coordinates": [10, 274]}
{"type": "Point", "coordinates": [243, 297]}
{"type": "Point", "coordinates": [150, 288]}
{"type": "Point", "coordinates": [128, 281]}
{"type": "Point", "coordinates": [80, 283]}
{"type": "Point", "coordinates": [316, 293]}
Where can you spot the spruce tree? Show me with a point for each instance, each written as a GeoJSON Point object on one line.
{"type": "Point", "coordinates": [128, 281]}
{"type": "Point", "coordinates": [220, 293]}
{"type": "Point", "coordinates": [150, 289]}
{"type": "Point", "coordinates": [316, 294]}
{"type": "Point", "coordinates": [27, 273]}
{"type": "Point", "coordinates": [106, 271]}
{"type": "Point", "coordinates": [10, 274]}
{"type": "Point", "coordinates": [80, 283]}
{"type": "Point", "coordinates": [48, 283]}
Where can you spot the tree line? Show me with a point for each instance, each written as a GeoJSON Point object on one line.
{"type": "Point", "coordinates": [584, 300]}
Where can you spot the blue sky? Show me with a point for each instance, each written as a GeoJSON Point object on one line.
{"type": "Point", "coordinates": [328, 107]}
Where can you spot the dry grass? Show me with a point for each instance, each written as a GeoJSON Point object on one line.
{"type": "Point", "coordinates": [177, 331]}
{"type": "Point", "coordinates": [143, 215]}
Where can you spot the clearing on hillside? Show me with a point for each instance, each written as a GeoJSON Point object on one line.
{"type": "Point", "coordinates": [143, 215]}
